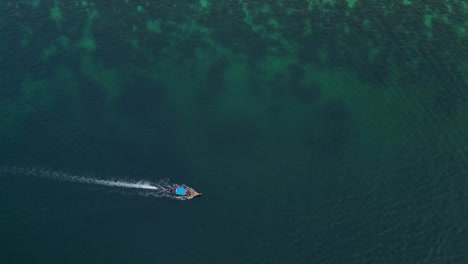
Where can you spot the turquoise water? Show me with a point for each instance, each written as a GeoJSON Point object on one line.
{"type": "Point", "coordinates": [318, 131]}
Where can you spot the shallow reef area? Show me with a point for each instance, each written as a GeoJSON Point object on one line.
{"type": "Point", "coordinates": [274, 64]}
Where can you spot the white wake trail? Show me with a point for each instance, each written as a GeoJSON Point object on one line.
{"type": "Point", "coordinates": [148, 189]}
{"type": "Point", "coordinates": [122, 184]}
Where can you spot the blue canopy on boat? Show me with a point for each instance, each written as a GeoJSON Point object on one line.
{"type": "Point", "coordinates": [180, 191]}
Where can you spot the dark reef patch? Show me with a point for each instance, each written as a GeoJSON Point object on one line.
{"type": "Point", "coordinates": [304, 92]}
{"type": "Point", "coordinates": [215, 75]}
{"type": "Point", "coordinates": [236, 134]}
{"type": "Point", "coordinates": [331, 132]}
{"type": "Point", "coordinates": [336, 112]}
{"type": "Point", "coordinates": [213, 84]}
{"type": "Point", "coordinates": [142, 98]}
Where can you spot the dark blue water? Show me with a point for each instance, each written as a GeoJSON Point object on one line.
{"type": "Point", "coordinates": [318, 131]}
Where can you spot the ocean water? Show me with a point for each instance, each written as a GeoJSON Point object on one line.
{"type": "Point", "coordinates": [318, 131]}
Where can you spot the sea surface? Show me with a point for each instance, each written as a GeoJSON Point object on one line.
{"type": "Point", "coordinates": [318, 131]}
